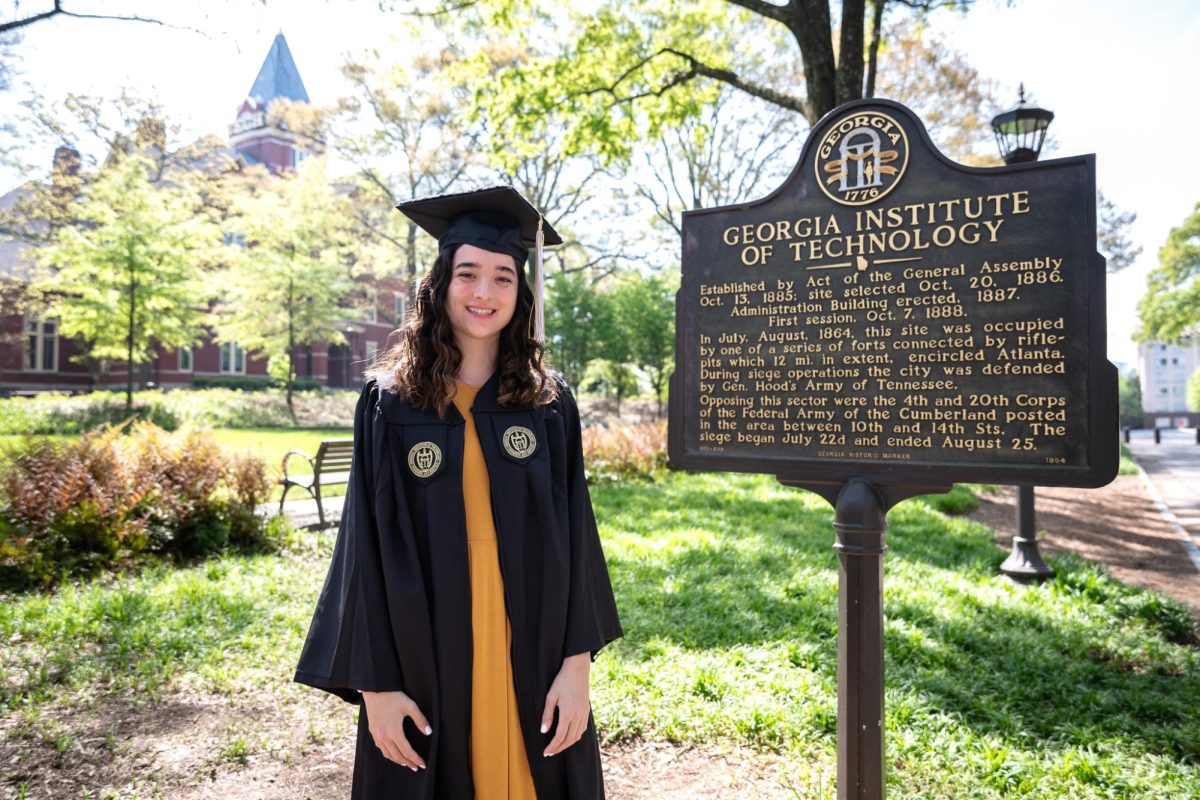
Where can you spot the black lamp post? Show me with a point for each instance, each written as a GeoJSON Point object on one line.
{"type": "Point", "coordinates": [1020, 132]}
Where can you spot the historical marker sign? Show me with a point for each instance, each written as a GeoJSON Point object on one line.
{"type": "Point", "coordinates": [892, 316]}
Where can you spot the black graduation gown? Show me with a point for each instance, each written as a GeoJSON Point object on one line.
{"type": "Point", "coordinates": [395, 610]}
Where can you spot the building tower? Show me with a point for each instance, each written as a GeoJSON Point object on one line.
{"type": "Point", "coordinates": [252, 135]}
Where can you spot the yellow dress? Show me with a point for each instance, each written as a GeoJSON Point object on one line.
{"type": "Point", "coordinates": [499, 765]}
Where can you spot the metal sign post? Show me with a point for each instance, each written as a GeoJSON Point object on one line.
{"type": "Point", "coordinates": [885, 324]}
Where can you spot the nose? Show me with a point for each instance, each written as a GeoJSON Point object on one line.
{"type": "Point", "coordinates": [483, 288]}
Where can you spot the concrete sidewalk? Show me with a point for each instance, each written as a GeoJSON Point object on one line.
{"type": "Point", "coordinates": [1172, 469]}
{"type": "Point", "coordinates": [303, 513]}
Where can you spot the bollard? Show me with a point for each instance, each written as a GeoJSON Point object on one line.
{"type": "Point", "coordinates": [1125, 430]}
{"type": "Point", "coordinates": [1197, 434]}
{"type": "Point", "coordinates": [1158, 435]}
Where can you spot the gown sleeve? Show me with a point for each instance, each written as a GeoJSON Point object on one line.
{"type": "Point", "coordinates": [350, 645]}
{"type": "Point", "coordinates": [592, 620]}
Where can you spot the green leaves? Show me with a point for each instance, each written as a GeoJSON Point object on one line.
{"type": "Point", "coordinates": [1171, 307]}
{"type": "Point", "coordinates": [287, 283]}
{"type": "Point", "coordinates": [611, 77]}
{"type": "Point", "coordinates": [125, 275]}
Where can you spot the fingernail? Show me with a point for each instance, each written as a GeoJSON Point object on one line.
{"type": "Point", "coordinates": [545, 728]}
{"type": "Point", "coordinates": [414, 769]}
{"type": "Point", "coordinates": [428, 730]}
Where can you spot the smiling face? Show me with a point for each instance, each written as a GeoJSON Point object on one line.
{"type": "Point", "coordinates": [482, 295]}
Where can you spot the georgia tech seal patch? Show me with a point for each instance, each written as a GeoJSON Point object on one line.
{"type": "Point", "coordinates": [861, 158]}
{"type": "Point", "coordinates": [519, 442]}
{"type": "Point", "coordinates": [424, 459]}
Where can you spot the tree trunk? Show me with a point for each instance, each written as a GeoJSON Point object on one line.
{"type": "Point", "coordinates": [129, 349]}
{"type": "Point", "coordinates": [873, 54]}
{"type": "Point", "coordinates": [810, 26]}
{"type": "Point", "coordinates": [291, 348]}
{"type": "Point", "coordinates": [850, 52]}
{"type": "Point", "coordinates": [410, 254]}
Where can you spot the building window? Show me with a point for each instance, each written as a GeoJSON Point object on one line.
{"type": "Point", "coordinates": [41, 344]}
{"type": "Point", "coordinates": [399, 309]}
{"type": "Point", "coordinates": [233, 358]}
{"type": "Point", "coordinates": [371, 312]}
{"type": "Point", "coordinates": [372, 352]}
{"type": "Point", "coordinates": [185, 359]}
{"type": "Point", "coordinates": [1162, 362]}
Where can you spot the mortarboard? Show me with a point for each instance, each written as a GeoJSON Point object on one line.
{"type": "Point", "coordinates": [496, 218]}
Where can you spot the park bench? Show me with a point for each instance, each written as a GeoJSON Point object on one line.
{"type": "Point", "coordinates": [330, 466]}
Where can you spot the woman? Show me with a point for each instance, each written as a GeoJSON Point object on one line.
{"type": "Point", "coordinates": [467, 593]}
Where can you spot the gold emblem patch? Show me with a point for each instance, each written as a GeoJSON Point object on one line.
{"type": "Point", "coordinates": [424, 459]}
{"type": "Point", "coordinates": [861, 158]}
{"type": "Point", "coordinates": [519, 442]}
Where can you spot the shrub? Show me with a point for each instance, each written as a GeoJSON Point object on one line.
{"type": "Point", "coordinates": [621, 451]}
{"type": "Point", "coordinates": [241, 384]}
{"type": "Point", "coordinates": [107, 499]}
{"type": "Point", "coordinates": [216, 407]}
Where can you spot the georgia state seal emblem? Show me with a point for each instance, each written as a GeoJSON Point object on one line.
{"type": "Point", "coordinates": [424, 459]}
{"type": "Point", "coordinates": [519, 442]}
{"type": "Point", "coordinates": [861, 158]}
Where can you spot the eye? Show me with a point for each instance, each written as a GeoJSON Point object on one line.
{"type": "Point", "coordinates": [504, 279]}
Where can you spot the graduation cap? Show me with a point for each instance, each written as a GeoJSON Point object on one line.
{"type": "Point", "coordinates": [496, 218]}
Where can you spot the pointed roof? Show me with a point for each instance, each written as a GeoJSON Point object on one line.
{"type": "Point", "coordinates": [278, 76]}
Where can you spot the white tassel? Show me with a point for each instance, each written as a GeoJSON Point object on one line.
{"type": "Point", "coordinates": [538, 288]}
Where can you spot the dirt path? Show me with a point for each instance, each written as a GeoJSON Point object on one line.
{"type": "Point", "coordinates": [1117, 525]}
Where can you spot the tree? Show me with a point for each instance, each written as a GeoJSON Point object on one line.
{"type": "Point", "coordinates": [612, 366]}
{"type": "Point", "coordinates": [1129, 400]}
{"type": "Point", "coordinates": [644, 309]}
{"type": "Point", "coordinates": [629, 68]}
{"type": "Point", "coordinates": [99, 129]}
{"type": "Point", "coordinates": [292, 240]}
{"type": "Point", "coordinates": [735, 150]}
{"type": "Point", "coordinates": [400, 129]}
{"type": "Point", "coordinates": [126, 279]}
{"type": "Point", "coordinates": [571, 313]}
{"type": "Point", "coordinates": [1170, 308]}
{"type": "Point", "coordinates": [1193, 391]}
{"type": "Point", "coordinates": [726, 154]}
{"type": "Point", "coordinates": [955, 103]}
{"type": "Point", "coordinates": [1113, 234]}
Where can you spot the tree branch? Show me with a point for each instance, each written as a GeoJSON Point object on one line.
{"type": "Point", "coordinates": [58, 10]}
{"type": "Point", "coordinates": [696, 69]}
{"type": "Point", "coordinates": [768, 10]}
{"type": "Point", "coordinates": [737, 82]}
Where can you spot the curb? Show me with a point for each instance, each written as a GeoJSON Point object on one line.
{"type": "Point", "coordinates": [1188, 545]}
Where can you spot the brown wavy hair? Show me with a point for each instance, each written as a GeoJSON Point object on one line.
{"type": "Point", "coordinates": [424, 358]}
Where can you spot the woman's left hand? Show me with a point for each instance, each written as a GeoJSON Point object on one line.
{"type": "Point", "coordinates": [569, 694]}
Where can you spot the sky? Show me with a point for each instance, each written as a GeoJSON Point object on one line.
{"type": "Point", "coordinates": [1122, 79]}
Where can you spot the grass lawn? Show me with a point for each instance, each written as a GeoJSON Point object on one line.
{"type": "Point", "coordinates": [1081, 687]}
{"type": "Point", "coordinates": [1128, 465]}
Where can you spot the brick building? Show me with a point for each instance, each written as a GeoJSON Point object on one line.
{"type": "Point", "coordinates": [33, 357]}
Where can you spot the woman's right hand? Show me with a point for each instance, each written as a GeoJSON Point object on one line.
{"type": "Point", "coordinates": [385, 718]}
